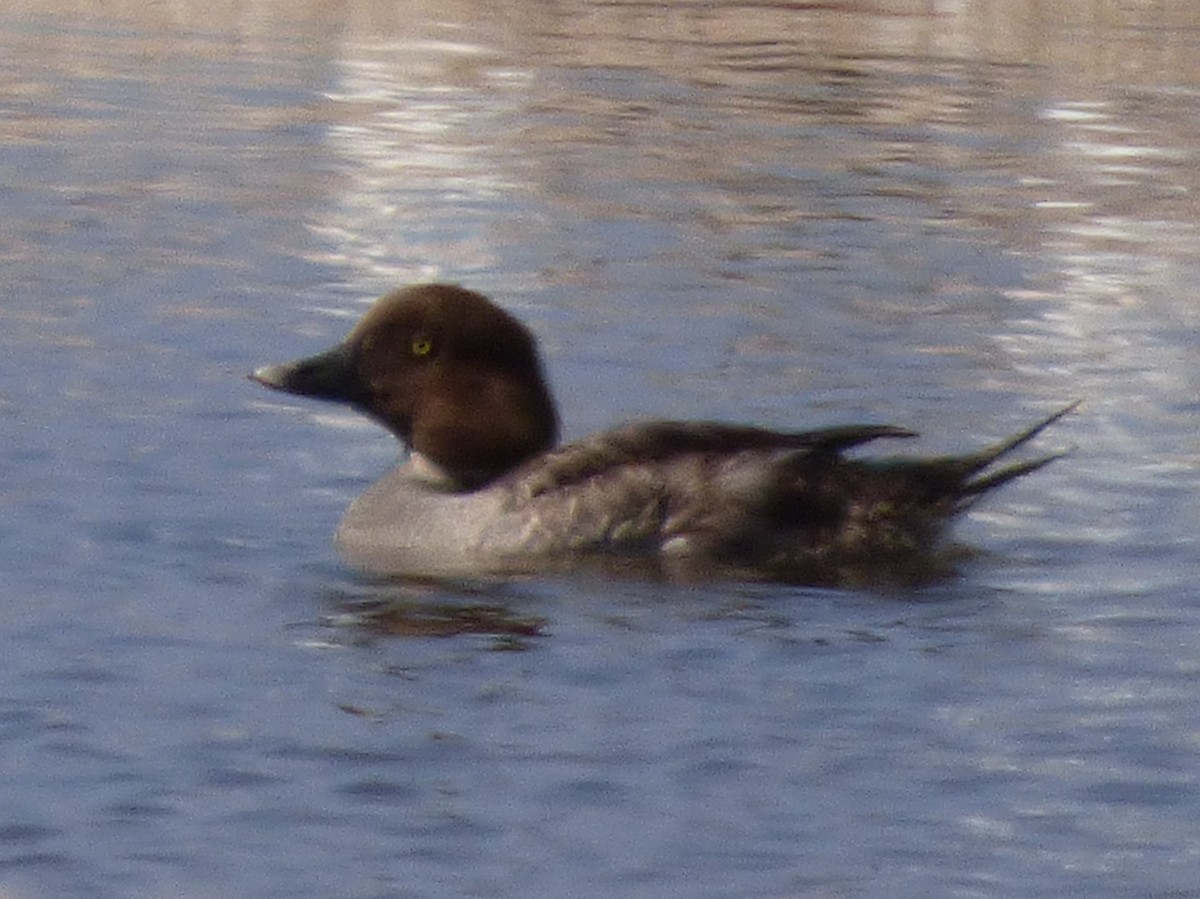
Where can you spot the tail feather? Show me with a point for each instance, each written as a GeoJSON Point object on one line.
{"type": "Point", "coordinates": [975, 464]}
{"type": "Point", "coordinates": [972, 490]}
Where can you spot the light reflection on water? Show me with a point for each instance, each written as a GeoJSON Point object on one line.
{"type": "Point", "coordinates": [951, 216]}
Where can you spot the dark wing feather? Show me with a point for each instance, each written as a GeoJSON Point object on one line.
{"type": "Point", "coordinates": [657, 441]}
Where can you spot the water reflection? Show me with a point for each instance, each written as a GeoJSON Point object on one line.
{"type": "Point", "coordinates": [434, 609]}
{"type": "Point", "coordinates": [417, 141]}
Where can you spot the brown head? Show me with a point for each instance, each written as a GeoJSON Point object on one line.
{"type": "Point", "coordinates": [451, 374]}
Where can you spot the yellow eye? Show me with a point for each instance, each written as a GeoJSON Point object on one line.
{"type": "Point", "coordinates": [422, 346]}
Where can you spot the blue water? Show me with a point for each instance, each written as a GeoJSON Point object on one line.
{"type": "Point", "coordinates": [790, 216]}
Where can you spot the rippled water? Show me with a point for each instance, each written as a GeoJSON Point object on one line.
{"type": "Point", "coordinates": [949, 216]}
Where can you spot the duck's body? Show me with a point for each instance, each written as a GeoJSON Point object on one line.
{"type": "Point", "coordinates": [484, 490]}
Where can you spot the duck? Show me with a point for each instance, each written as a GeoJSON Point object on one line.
{"type": "Point", "coordinates": [486, 489]}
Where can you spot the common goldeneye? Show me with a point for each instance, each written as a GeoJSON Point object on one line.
{"type": "Point", "coordinates": [484, 490]}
